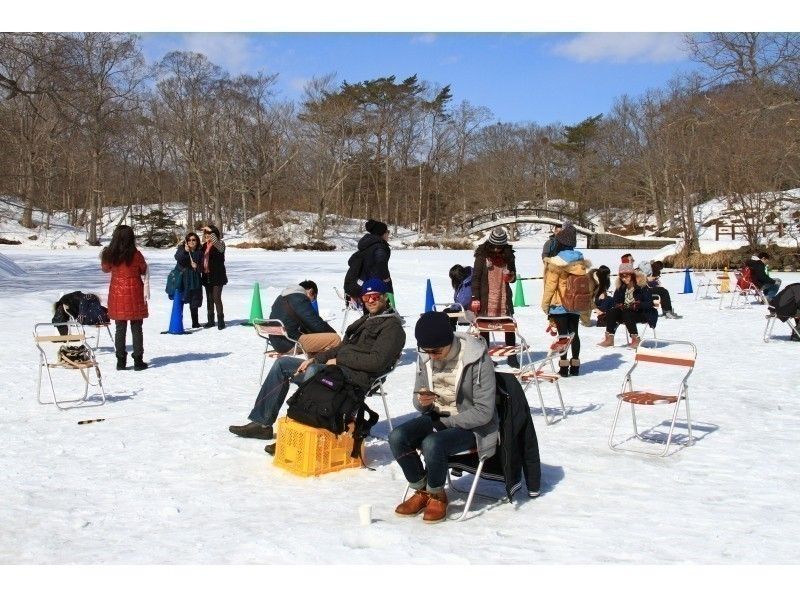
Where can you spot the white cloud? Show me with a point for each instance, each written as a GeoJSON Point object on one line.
{"type": "Point", "coordinates": [424, 38]}
{"type": "Point", "coordinates": [623, 47]}
{"type": "Point", "coordinates": [232, 51]}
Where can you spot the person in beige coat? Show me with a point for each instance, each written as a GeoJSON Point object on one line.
{"type": "Point", "coordinates": [564, 262]}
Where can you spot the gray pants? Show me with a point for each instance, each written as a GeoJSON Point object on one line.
{"type": "Point", "coordinates": [119, 338]}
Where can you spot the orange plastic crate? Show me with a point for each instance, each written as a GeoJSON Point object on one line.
{"type": "Point", "coordinates": [308, 451]}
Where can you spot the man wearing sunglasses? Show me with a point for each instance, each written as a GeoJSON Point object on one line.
{"type": "Point", "coordinates": [370, 347]}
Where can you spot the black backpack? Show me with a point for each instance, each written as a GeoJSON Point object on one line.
{"type": "Point", "coordinates": [327, 400]}
{"type": "Point", "coordinates": [354, 266]}
{"type": "Point", "coordinates": [91, 312]}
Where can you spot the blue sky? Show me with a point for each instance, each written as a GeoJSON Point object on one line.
{"type": "Point", "coordinates": [541, 77]}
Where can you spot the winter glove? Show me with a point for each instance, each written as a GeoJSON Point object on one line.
{"type": "Point", "coordinates": [475, 305]}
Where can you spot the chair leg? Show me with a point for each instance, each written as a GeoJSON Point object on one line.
{"type": "Point", "coordinates": [386, 408]}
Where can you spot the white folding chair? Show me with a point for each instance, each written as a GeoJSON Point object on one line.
{"type": "Point", "coordinates": [705, 282]}
{"type": "Point", "coordinates": [663, 388]}
{"type": "Point", "coordinates": [502, 325]}
{"type": "Point", "coordinates": [97, 328]}
{"type": "Point", "coordinates": [457, 312]}
{"type": "Point", "coordinates": [742, 290]}
{"type": "Point", "coordinates": [772, 318]}
{"type": "Point", "coordinates": [274, 327]}
{"type": "Point", "coordinates": [377, 389]}
{"type": "Point", "coordinates": [536, 373]}
{"type": "Point", "coordinates": [48, 346]}
{"type": "Point", "coordinates": [352, 306]}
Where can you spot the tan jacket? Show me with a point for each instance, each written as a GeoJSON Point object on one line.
{"type": "Point", "coordinates": [556, 271]}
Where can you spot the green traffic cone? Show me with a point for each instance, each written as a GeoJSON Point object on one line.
{"type": "Point", "coordinates": [256, 312]}
{"type": "Point", "coordinates": [519, 295]}
{"type": "Point", "coordinates": [390, 298]}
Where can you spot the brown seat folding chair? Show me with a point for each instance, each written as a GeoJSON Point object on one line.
{"type": "Point", "coordinates": [273, 327]}
{"type": "Point", "coordinates": [544, 370]}
{"type": "Point", "coordinates": [665, 367]}
{"type": "Point", "coordinates": [77, 355]}
{"type": "Point", "coordinates": [97, 327]}
{"type": "Point", "coordinates": [498, 348]}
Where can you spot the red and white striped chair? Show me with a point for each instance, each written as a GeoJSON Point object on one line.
{"type": "Point", "coordinates": [539, 372]}
{"type": "Point", "coordinates": [665, 367]}
{"type": "Point", "coordinates": [499, 348]}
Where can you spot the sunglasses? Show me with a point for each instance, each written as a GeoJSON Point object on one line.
{"type": "Point", "coordinates": [371, 297]}
{"type": "Point", "coordinates": [436, 351]}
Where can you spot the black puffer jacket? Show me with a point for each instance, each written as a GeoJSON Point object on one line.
{"type": "Point", "coordinates": [758, 272]}
{"type": "Point", "coordinates": [370, 347]}
{"type": "Point", "coordinates": [375, 253]}
{"type": "Point", "coordinates": [787, 302]}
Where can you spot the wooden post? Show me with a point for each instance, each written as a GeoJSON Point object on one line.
{"type": "Point", "coordinates": [716, 226]}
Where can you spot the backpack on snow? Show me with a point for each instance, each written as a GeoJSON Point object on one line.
{"type": "Point", "coordinates": [354, 266]}
{"type": "Point", "coordinates": [327, 400]}
{"type": "Point", "coordinates": [578, 294]}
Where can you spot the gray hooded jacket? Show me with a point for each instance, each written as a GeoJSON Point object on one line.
{"type": "Point", "coordinates": [475, 396]}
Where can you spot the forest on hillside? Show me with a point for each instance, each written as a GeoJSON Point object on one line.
{"type": "Point", "coordinates": [86, 123]}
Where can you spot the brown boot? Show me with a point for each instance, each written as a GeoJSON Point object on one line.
{"type": "Point", "coordinates": [635, 340]}
{"type": "Point", "coordinates": [414, 504]}
{"type": "Point", "coordinates": [608, 341]}
{"type": "Point", "coordinates": [436, 510]}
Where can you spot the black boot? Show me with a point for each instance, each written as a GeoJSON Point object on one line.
{"type": "Point", "coordinates": [139, 364]}
{"type": "Point", "coordinates": [122, 362]}
{"type": "Point", "coordinates": [574, 366]}
{"type": "Point", "coordinates": [220, 324]}
{"type": "Point", "coordinates": [210, 323]}
{"type": "Point", "coordinates": [563, 368]}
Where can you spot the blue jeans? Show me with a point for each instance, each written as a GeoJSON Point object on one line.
{"type": "Point", "coordinates": [436, 447]}
{"type": "Point", "coordinates": [276, 386]}
{"type": "Point", "coordinates": [770, 290]}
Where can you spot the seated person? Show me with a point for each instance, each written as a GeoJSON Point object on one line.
{"type": "Point", "coordinates": [785, 305]}
{"type": "Point", "coordinates": [758, 275]}
{"type": "Point", "coordinates": [302, 322]}
{"type": "Point", "coordinates": [455, 391]}
{"type": "Point", "coordinates": [461, 279]}
{"type": "Point", "coordinates": [633, 303]}
{"type": "Point", "coordinates": [603, 301]}
{"type": "Point", "coordinates": [370, 347]}
{"type": "Point", "coordinates": [652, 271]}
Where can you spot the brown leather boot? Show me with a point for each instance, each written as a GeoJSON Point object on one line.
{"type": "Point", "coordinates": [608, 341]}
{"type": "Point", "coordinates": [414, 504]}
{"type": "Point", "coordinates": [635, 340]}
{"type": "Point", "coordinates": [436, 510]}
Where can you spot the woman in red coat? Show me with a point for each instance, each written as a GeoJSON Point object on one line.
{"type": "Point", "coordinates": [126, 302]}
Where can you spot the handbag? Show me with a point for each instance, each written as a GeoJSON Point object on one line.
{"type": "Point", "coordinates": [174, 281]}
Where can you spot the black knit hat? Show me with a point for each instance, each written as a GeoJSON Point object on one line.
{"type": "Point", "coordinates": [376, 227]}
{"type": "Point", "coordinates": [433, 330]}
{"type": "Point", "coordinates": [567, 236]}
{"type": "Point", "coordinates": [498, 236]}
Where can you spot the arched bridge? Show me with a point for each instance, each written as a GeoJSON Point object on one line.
{"type": "Point", "coordinates": [489, 220]}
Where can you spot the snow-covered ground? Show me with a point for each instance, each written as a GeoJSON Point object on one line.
{"type": "Point", "coordinates": [163, 481]}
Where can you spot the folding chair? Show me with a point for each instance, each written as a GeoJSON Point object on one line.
{"type": "Point", "coordinates": [265, 328]}
{"type": "Point", "coordinates": [537, 374]}
{"type": "Point", "coordinates": [502, 324]}
{"type": "Point", "coordinates": [377, 388]}
{"type": "Point", "coordinates": [97, 328]}
{"type": "Point", "coordinates": [352, 306]}
{"type": "Point", "coordinates": [743, 289]}
{"type": "Point", "coordinates": [771, 319]}
{"type": "Point", "coordinates": [49, 361]}
{"type": "Point", "coordinates": [705, 283]}
{"type": "Point", "coordinates": [651, 358]}
{"type": "Point", "coordinates": [457, 312]}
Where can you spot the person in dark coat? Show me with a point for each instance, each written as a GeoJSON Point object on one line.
{"type": "Point", "coordinates": [633, 303]}
{"type": "Point", "coordinates": [603, 300]}
{"type": "Point", "coordinates": [189, 256]}
{"type": "Point", "coordinates": [758, 275]}
{"type": "Point", "coordinates": [214, 276]}
{"type": "Point", "coordinates": [375, 253]}
{"type": "Point", "coordinates": [494, 270]}
{"type": "Point", "coordinates": [126, 302]}
{"type": "Point", "coordinates": [302, 322]}
{"type": "Point", "coordinates": [371, 346]}
{"type": "Point", "coordinates": [786, 304]}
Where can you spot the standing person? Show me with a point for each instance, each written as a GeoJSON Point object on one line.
{"type": "Point", "coordinates": [213, 273]}
{"type": "Point", "coordinates": [126, 302]}
{"type": "Point", "coordinates": [549, 249]}
{"type": "Point", "coordinates": [557, 269]}
{"type": "Point", "coordinates": [189, 256]}
{"type": "Point", "coordinates": [494, 270]}
{"type": "Point", "coordinates": [455, 393]}
{"type": "Point", "coordinates": [633, 303]}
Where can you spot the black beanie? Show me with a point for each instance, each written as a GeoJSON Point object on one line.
{"type": "Point", "coordinates": [376, 227]}
{"type": "Point", "coordinates": [433, 330]}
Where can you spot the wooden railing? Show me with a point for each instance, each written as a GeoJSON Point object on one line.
{"type": "Point", "coordinates": [523, 213]}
